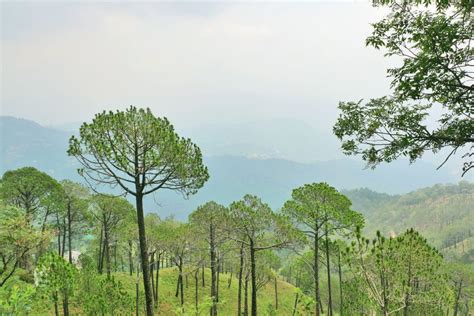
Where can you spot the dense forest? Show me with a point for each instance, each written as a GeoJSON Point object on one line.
{"type": "Point", "coordinates": [92, 245]}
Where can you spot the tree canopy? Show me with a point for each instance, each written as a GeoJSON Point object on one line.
{"type": "Point", "coordinates": [433, 84]}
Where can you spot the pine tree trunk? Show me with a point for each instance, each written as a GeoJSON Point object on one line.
{"type": "Point", "coordinates": [137, 294]}
{"type": "Point", "coordinates": [218, 279]}
{"type": "Point", "coordinates": [213, 270]}
{"type": "Point", "coordinates": [101, 263]}
{"type": "Point", "coordinates": [328, 266]}
{"type": "Point", "coordinates": [107, 248]}
{"type": "Point", "coordinates": [253, 275]}
{"type": "Point", "coordinates": [202, 276]}
{"type": "Point", "coordinates": [181, 287]}
{"type": "Point", "coordinates": [63, 247]}
{"type": "Point", "coordinates": [316, 274]}
{"type": "Point", "coordinates": [130, 261]}
{"type": "Point", "coordinates": [56, 309]}
{"type": "Point", "coordinates": [196, 289]}
{"type": "Point", "coordinates": [246, 295]}
{"type": "Point", "coordinates": [157, 279]}
{"type": "Point", "coordinates": [341, 301]}
{"type": "Point", "coordinates": [144, 254]}
{"type": "Point", "coordinates": [115, 257]}
{"type": "Point", "coordinates": [458, 295]}
{"type": "Point", "coordinates": [152, 278]}
{"type": "Point", "coordinates": [99, 259]}
{"type": "Point", "coordinates": [59, 235]}
{"type": "Point", "coordinates": [276, 293]}
{"type": "Point", "coordinates": [65, 305]}
{"type": "Point", "coordinates": [69, 235]}
{"type": "Point", "coordinates": [239, 295]}
{"type": "Point", "coordinates": [296, 304]}
{"type": "Point", "coordinates": [177, 285]}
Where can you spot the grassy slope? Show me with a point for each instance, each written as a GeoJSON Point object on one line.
{"type": "Point", "coordinates": [228, 296]}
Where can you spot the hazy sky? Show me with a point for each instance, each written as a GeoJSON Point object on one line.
{"type": "Point", "coordinates": [195, 62]}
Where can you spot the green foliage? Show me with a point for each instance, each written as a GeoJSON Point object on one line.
{"type": "Point", "coordinates": [211, 214]}
{"type": "Point", "coordinates": [403, 272]}
{"type": "Point", "coordinates": [120, 148]}
{"type": "Point", "coordinates": [435, 47]}
{"type": "Point", "coordinates": [17, 237]}
{"type": "Point", "coordinates": [55, 277]}
{"type": "Point", "coordinates": [17, 300]}
{"type": "Point", "coordinates": [313, 205]}
{"type": "Point", "coordinates": [253, 220]}
{"type": "Point", "coordinates": [29, 189]}
{"type": "Point", "coordinates": [356, 297]}
{"type": "Point", "coordinates": [111, 209]}
{"type": "Point", "coordinates": [97, 294]}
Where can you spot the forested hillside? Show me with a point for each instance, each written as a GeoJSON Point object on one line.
{"type": "Point", "coordinates": [444, 214]}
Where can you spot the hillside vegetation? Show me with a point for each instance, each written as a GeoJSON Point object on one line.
{"type": "Point", "coordinates": [443, 213]}
{"type": "Point", "coordinates": [169, 304]}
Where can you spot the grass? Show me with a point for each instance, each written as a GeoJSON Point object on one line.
{"type": "Point", "coordinates": [169, 304]}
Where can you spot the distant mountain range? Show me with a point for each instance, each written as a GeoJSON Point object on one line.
{"type": "Point", "coordinates": [286, 139]}
{"type": "Point", "coordinates": [26, 143]}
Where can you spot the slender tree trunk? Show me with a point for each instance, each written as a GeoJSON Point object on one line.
{"type": "Point", "coordinates": [151, 277]}
{"type": "Point", "coordinates": [59, 235]}
{"type": "Point", "coordinates": [202, 276]}
{"type": "Point", "coordinates": [130, 261]}
{"type": "Point", "coordinates": [383, 285]}
{"type": "Point", "coordinates": [253, 278]}
{"type": "Point", "coordinates": [56, 309]}
{"type": "Point", "coordinates": [65, 305]}
{"type": "Point", "coordinates": [69, 230]}
{"type": "Point", "coordinates": [177, 285]}
{"type": "Point", "coordinates": [241, 266]}
{"type": "Point", "coordinates": [213, 270]}
{"type": "Point", "coordinates": [143, 252]}
{"type": "Point", "coordinates": [99, 259]}
{"type": "Point", "coordinates": [339, 269]}
{"type": "Point", "coordinates": [458, 295]}
{"type": "Point", "coordinates": [181, 287]}
{"type": "Point", "coordinates": [246, 295]}
{"type": "Point", "coordinates": [157, 279]}
{"type": "Point", "coordinates": [115, 257]}
{"type": "Point", "coordinates": [328, 266]}
{"type": "Point", "coordinates": [276, 293]}
{"type": "Point", "coordinates": [137, 293]}
{"type": "Point", "coordinates": [316, 273]}
{"type": "Point", "coordinates": [196, 289]}
{"type": "Point", "coordinates": [218, 279]}
{"type": "Point", "coordinates": [296, 304]}
{"type": "Point", "coordinates": [63, 247]}
{"type": "Point", "coordinates": [407, 294]}
{"type": "Point", "coordinates": [107, 248]}
{"type": "Point", "coordinates": [103, 252]}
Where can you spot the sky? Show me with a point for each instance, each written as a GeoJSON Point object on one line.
{"type": "Point", "coordinates": [198, 63]}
